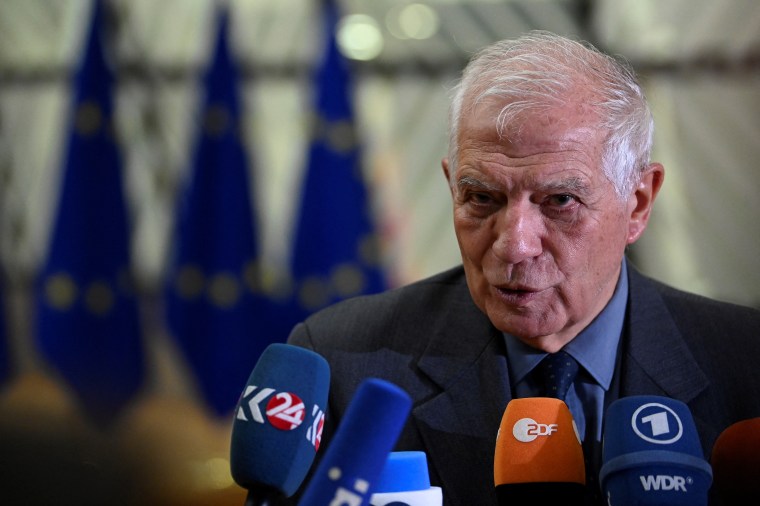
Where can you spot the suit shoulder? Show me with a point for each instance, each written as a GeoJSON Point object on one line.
{"type": "Point", "coordinates": [698, 312]}
{"type": "Point", "coordinates": [681, 301]}
{"type": "Point", "coordinates": [413, 306]}
{"type": "Point", "coordinates": [407, 298]}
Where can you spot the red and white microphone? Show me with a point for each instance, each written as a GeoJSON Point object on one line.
{"type": "Point", "coordinates": [736, 462]}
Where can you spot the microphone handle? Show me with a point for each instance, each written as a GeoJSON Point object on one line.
{"type": "Point", "coordinates": [566, 494]}
{"type": "Point", "coordinates": [263, 495]}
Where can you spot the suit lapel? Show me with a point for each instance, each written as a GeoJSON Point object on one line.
{"type": "Point", "coordinates": [466, 359]}
{"type": "Point", "coordinates": [656, 356]}
{"type": "Point", "coordinates": [656, 359]}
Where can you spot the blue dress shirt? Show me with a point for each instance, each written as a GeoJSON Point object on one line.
{"type": "Point", "coordinates": [595, 349]}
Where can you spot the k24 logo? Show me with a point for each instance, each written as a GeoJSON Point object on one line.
{"type": "Point", "coordinates": [283, 411]}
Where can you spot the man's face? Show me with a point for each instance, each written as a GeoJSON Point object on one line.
{"type": "Point", "coordinates": [541, 230]}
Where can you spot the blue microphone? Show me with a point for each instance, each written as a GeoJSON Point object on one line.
{"type": "Point", "coordinates": [405, 481]}
{"type": "Point", "coordinates": [651, 454]}
{"type": "Point", "coordinates": [357, 453]}
{"type": "Point", "coordinates": [278, 422]}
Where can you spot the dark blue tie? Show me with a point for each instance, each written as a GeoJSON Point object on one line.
{"type": "Point", "coordinates": [558, 371]}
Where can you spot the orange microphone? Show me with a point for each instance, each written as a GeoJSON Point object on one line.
{"type": "Point", "coordinates": [539, 458]}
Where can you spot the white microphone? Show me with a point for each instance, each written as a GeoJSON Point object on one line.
{"type": "Point", "coordinates": [405, 480]}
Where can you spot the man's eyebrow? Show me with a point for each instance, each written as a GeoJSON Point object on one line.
{"type": "Point", "coordinates": [571, 184]}
{"type": "Point", "coordinates": [476, 184]}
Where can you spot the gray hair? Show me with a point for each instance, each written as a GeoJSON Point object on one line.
{"type": "Point", "coordinates": [533, 72]}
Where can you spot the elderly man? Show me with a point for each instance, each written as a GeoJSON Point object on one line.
{"type": "Point", "coordinates": [550, 180]}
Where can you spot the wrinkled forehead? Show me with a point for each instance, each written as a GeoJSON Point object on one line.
{"type": "Point", "coordinates": [510, 121]}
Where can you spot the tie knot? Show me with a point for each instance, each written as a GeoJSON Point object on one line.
{"type": "Point", "coordinates": [558, 371]}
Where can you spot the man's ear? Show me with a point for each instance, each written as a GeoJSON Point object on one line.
{"type": "Point", "coordinates": [642, 200]}
{"type": "Point", "coordinates": [445, 167]}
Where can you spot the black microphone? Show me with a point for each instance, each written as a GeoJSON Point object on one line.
{"type": "Point", "coordinates": [736, 462]}
{"type": "Point", "coordinates": [651, 455]}
{"type": "Point", "coordinates": [278, 422]}
{"type": "Point", "coordinates": [360, 447]}
{"type": "Point", "coordinates": [538, 457]}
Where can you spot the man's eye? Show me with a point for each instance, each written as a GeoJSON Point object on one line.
{"type": "Point", "coordinates": [562, 200]}
{"type": "Point", "coordinates": [480, 198]}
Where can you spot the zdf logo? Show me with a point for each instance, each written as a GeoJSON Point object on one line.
{"type": "Point", "coordinates": [656, 423]}
{"type": "Point", "coordinates": [527, 429]}
{"type": "Point", "coordinates": [284, 410]}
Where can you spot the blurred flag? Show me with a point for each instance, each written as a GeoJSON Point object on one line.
{"type": "Point", "coordinates": [5, 359]}
{"type": "Point", "coordinates": [212, 291]}
{"type": "Point", "coordinates": [87, 317]}
{"type": "Point", "coordinates": [336, 251]}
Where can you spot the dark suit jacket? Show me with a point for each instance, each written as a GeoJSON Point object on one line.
{"type": "Point", "coordinates": [430, 339]}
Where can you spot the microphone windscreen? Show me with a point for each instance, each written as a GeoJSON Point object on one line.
{"type": "Point", "coordinates": [360, 447]}
{"type": "Point", "coordinates": [278, 419]}
{"type": "Point", "coordinates": [405, 480]}
{"type": "Point", "coordinates": [736, 462]}
{"type": "Point", "coordinates": [651, 454]}
{"type": "Point", "coordinates": [538, 454]}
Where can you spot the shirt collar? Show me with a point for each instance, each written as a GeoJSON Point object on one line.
{"type": "Point", "coordinates": [594, 348]}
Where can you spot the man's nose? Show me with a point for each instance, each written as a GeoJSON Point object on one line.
{"type": "Point", "coordinates": [519, 229]}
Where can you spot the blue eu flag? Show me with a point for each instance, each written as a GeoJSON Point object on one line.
{"type": "Point", "coordinates": [336, 251]}
{"type": "Point", "coordinates": [5, 361]}
{"type": "Point", "coordinates": [87, 316]}
{"type": "Point", "coordinates": [213, 298]}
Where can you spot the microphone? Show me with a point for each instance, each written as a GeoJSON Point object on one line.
{"type": "Point", "coordinates": [651, 454]}
{"type": "Point", "coordinates": [539, 458]}
{"type": "Point", "coordinates": [405, 481]}
{"type": "Point", "coordinates": [278, 422]}
{"type": "Point", "coordinates": [736, 462]}
{"type": "Point", "coordinates": [360, 447]}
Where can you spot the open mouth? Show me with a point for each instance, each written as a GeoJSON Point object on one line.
{"type": "Point", "coordinates": [513, 291]}
{"type": "Point", "coordinates": [517, 296]}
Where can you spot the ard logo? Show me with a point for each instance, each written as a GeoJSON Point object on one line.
{"type": "Point", "coordinates": [657, 423]}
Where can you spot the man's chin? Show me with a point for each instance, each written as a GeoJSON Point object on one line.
{"type": "Point", "coordinates": [524, 333]}
{"type": "Point", "coordinates": [542, 337]}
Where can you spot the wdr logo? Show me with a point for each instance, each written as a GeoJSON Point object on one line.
{"type": "Point", "coordinates": [657, 423]}
{"type": "Point", "coordinates": [664, 482]}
